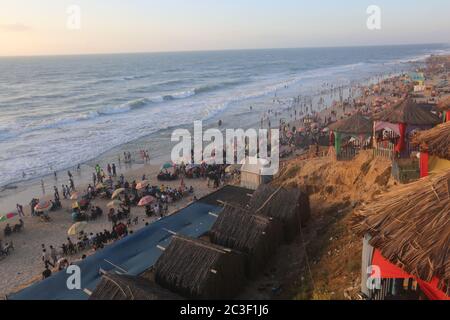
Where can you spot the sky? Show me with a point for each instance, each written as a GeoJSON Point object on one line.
{"type": "Point", "coordinates": [40, 27]}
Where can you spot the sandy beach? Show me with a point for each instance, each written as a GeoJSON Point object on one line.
{"type": "Point", "coordinates": [25, 266]}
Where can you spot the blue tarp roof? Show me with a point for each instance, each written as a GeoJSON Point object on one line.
{"type": "Point", "coordinates": [133, 254]}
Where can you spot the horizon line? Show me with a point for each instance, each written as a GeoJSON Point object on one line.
{"type": "Point", "coordinates": [219, 50]}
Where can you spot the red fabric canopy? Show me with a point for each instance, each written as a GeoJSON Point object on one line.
{"type": "Point", "coordinates": [391, 271]}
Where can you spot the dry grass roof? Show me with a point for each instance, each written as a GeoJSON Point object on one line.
{"type": "Point", "coordinates": [436, 140]}
{"type": "Point", "coordinates": [199, 269]}
{"type": "Point", "coordinates": [444, 103]}
{"type": "Point", "coordinates": [357, 124]}
{"type": "Point", "coordinates": [255, 235]}
{"type": "Point", "coordinates": [237, 228]}
{"type": "Point", "coordinates": [408, 112]}
{"type": "Point", "coordinates": [124, 287]}
{"type": "Point", "coordinates": [411, 227]}
{"type": "Point", "coordinates": [288, 205]}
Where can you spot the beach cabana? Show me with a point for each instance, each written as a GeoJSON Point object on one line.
{"type": "Point", "coordinates": [254, 173]}
{"type": "Point", "coordinates": [444, 106]}
{"type": "Point", "coordinates": [400, 121]}
{"type": "Point", "coordinates": [434, 149]}
{"type": "Point", "coordinates": [124, 287]}
{"type": "Point", "coordinates": [406, 241]}
{"type": "Point", "coordinates": [356, 130]}
{"type": "Point", "coordinates": [198, 269]}
{"type": "Point", "coordinates": [255, 235]}
{"type": "Point", "coordinates": [289, 206]}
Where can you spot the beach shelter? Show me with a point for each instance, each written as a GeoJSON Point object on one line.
{"type": "Point", "coordinates": [289, 206]}
{"type": "Point", "coordinates": [114, 204]}
{"type": "Point", "coordinates": [167, 165]}
{"type": "Point", "coordinates": [74, 196]}
{"type": "Point", "coordinates": [402, 119]}
{"type": "Point", "coordinates": [124, 287]}
{"type": "Point", "coordinates": [255, 235]}
{"type": "Point", "coordinates": [434, 149]}
{"type": "Point", "coordinates": [444, 106]}
{"type": "Point", "coordinates": [254, 172]}
{"type": "Point", "coordinates": [145, 201]}
{"type": "Point", "coordinates": [357, 126]}
{"type": "Point", "coordinates": [76, 228]}
{"type": "Point", "coordinates": [142, 185]}
{"type": "Point", "coordinates": [197, 269]}
{"type": "Point", "coordinates": [117, 193]}
{"type": "Point", "coordinates": [407, 241]}
{"type": "Point", "coordinates": [42, 206]}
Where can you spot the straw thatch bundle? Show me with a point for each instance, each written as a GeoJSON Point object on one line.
{"type": "Point", "coordinates": [411, 227]}
{"type": "Point", "coordinates": [356, 124]}
{"type": "Point", "coordinates": [436, 141]}
{"type": "Point", "coordinates": [444, 104]}
{"type": "Point", "coordinates": [124, 287]}
{"type": "Point", "coordinates": [408, 112]}
{"type": "Point", "coordinates": [257, 236]}
{"type": "Point", "coordinates": [290, 206]}
{"type": "Point", "coordinates": [200, 270]}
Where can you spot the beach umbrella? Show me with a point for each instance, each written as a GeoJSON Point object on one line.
{"type": "Point", "coordinates": [114, 204]}
{"type": "Point", "coordinates": [117, 193]}
{"type": "Point", "coordinates": [42, 206]}
{"type": "Point", "coordinates": [145, 201]}
{"type": "Point", "coordinates": [77, 228]}
{"type": "Point", "coordinates": [142, 184]}
{"type": "Point", "coordinates": [84, 202]}
{"type": "Point", "coordinates": [8, 216]}
{"type": "Point", "coordinates": [74, 196]}
{"type": "Point", "coordinates": [192, 166]}
{"type": "Point", "coordinates": [100, 186]}
{"type": "Point", "coordinates": [167, 165]}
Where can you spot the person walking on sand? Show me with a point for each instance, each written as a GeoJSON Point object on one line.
{"type": "Point", "coordinates": [69, 174]}
{"type": "Point", "coordinates": [43, 187]}
{"type": "Point", "coordinates": [94, 178]}
{"type": "Point", "coordinates": [108, 168]}
{"type": "Point", "coordinates": [114, 170]}
{"type": "Point", "coordinates": [72, 185]}
{"type": "Point", "coordinates": [67, 191]}
{"type": "Point", "coordinates": [53, 255]}
{"type": "Point", "coordinates": [20, 210]}
{"type": "Point", "coordinates": [46, 258]}
{"type": "Point", "coordinates": [56, 193]}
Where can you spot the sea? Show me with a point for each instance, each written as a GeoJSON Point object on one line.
{"type": "Point", "coordinates": [60, 111]}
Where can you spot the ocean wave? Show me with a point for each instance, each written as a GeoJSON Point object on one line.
{"type": "Point", "coordinates": [126, 107]}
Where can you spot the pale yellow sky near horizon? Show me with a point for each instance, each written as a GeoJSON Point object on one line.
{"type": "Point", "coordinates": [31, 27]}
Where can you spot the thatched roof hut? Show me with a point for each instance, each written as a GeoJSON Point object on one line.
{"type": "Point", "coordinates": [411, 228]}
{"type": "Point", "coordinates": [356, 124]}
{"type": "Point", "coordinates": [200, 270]}
{"type": "Point", "coordinates": [444, 104]}
{"type": "Point", "coordinates": [257, 236]}
{"type": "Point", "coordinates": [408, 112]}
{"type": "Point", "coordinates": [124, 287]}
{"type": "Point", "coordinates": [436, 141]}
{"type": "Point", "coordinates": [290, 206]}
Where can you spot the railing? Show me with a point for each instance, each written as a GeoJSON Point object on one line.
{"type": "Point", "coordinates": [347, 153]}
{"type": "Point", "coordinates": [406, 170]}
{"type": "Point", "coordinates": [384, 149]}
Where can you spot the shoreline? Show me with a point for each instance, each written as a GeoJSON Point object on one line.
{"type": "Point", "coordinates": [307, 79]}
